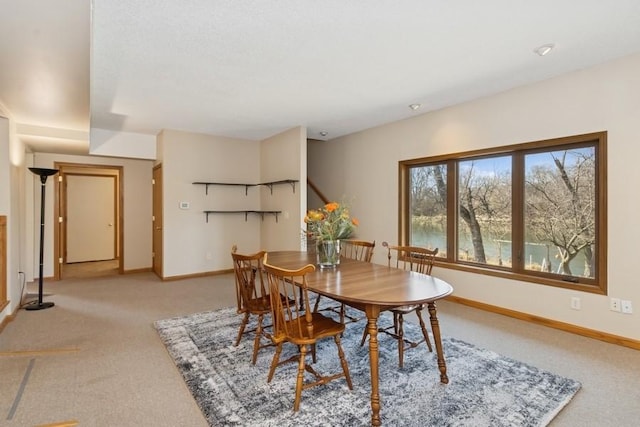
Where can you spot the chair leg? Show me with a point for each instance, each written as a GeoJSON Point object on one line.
{"type": "Point", "coordinates": [395, 323]}
{"type": "Point", "coordinates": [425, 334]}
{"type": "Point", "coordinates": [313, 352]}
{"type": "Point", "coordinates": [317, 304]}
{"type": "Point", "coordinates": [365, 332]}
{"type": "Point", "coordinates": [274, 362]}
{"type": "Point", "coordinates": [343, 362]}
{"type": "Point", "coordinates": [300, 378]}
{"type": "Point", "coordinates": [400, 332]}
{"type": "Point", "coordinates": [256, 341]}
{"type": "Point", "coordinates": [245, 320]}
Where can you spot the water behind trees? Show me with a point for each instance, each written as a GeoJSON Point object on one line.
{"type": "Point", "coordinates": [539, 256]}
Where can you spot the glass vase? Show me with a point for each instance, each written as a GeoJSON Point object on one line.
{"type": "Point", "coordinates": [328, 253]}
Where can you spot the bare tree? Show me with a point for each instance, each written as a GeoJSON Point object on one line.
{"type": "Point", "coordinates": [467, 208]}
{"type": "Point", "coordinates": [560, 205]}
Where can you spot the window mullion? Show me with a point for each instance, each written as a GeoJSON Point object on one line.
{"type": "Point", "coordinates": [452, 210]}
{"type": "Point", "coordinates": [517, 212]}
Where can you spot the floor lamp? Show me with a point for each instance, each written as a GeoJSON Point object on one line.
{"type": "Point", "coordinates": [44, 174]}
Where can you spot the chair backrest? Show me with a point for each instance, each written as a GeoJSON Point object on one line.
{"type": "Point", "coordinates": [290, 307]}
{"type": "Point", "coordinates": [361, 250]}
{"type": "Point", "coordinates": [250, 283]}
{"type": "Point", "coordinates": [414, 258]}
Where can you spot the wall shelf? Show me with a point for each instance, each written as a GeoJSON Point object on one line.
{"type": "Point", "coordinates": [246, 213]}
{"type": "Point", "coordinates": [291, 182]}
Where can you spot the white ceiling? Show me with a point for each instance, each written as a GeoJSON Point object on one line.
{"type": "Point", "coordinates": [251, 69]}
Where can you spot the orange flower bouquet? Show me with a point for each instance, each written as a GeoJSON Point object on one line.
{"type": "Point", "coordinates": [331, 222]}
{"type": "Point", "coordinates": [326, 226]}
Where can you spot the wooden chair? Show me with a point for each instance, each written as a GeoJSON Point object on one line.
{"type": "Point", "coordinates": [361, 250]}
{"type": "Point", "coordinates": [297, 324]}
{"type": "Point", "coordinates": [252, 296]}
{"type": "Point", "coordinates": [416, 259]}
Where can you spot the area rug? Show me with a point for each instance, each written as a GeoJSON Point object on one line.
{"type": "Point", "coordinates": [485, 388]}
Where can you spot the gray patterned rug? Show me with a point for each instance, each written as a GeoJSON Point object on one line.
{"type": "Point", "coordinates": [485, 388]}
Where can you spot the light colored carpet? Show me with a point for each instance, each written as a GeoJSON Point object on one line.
{"type": "Point", "coordinates": [90, 269]}
{"type": "Point", "coordinates": [118, 372]}
{"type": "Point", "coordinates": [485, 389]}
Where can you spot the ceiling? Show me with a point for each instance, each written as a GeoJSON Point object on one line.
{"type": "Point", "coordinates": [251, 69]}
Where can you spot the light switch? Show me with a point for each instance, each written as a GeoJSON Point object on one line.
{"type": "Point", "coordinates": [185, 205]}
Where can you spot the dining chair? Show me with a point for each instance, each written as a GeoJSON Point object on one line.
{"type": "Point", "coordinates": [420, 260]}
{"type": "Point", "coordinates": [252, 297]}
{"type": "Point", "coordinates": [361, 250]}
{"type": "Point", "coordinates": [295, 323]}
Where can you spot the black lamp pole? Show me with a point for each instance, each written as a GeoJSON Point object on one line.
{"type": "Point", "coordinates": [44, 174]}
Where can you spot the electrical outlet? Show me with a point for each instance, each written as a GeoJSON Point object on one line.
{"type": "Point", "coordinates": [575, 303]}
{"type": "Point", "coordinates": [614, 304]}
{"type": "Point", "coordinates": [627, 308]}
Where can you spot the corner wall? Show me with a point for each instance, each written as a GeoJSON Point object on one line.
{"type": "Point", "coordinates": [191, 245]}
{"type": "Point", "coordinates": [194, 245]}
{"type": "Point", "coordinates": [284, 156]}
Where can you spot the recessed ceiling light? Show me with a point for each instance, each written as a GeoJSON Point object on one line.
{"type": "Point", "coordinates": [414, 107]}
{"type": "Point", "coordinates": [324, 133]}
{"type": "Point", "coordinates": [544, 49]}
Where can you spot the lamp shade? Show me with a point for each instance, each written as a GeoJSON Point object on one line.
{"type": "Point", "coordinates": [43, 173]}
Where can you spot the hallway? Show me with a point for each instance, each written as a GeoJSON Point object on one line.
{"type": "Point", "coordinates": [90, 269]}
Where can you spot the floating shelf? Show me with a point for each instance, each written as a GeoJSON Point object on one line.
{"type": "Point", "coordinates": [246, 213]}
{"type": "Point", "coordinates": [291, 182]}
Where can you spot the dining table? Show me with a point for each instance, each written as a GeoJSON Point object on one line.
{"type": "Point", "coordinates": [372, 288]}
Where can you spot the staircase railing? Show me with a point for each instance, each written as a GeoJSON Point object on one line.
{"type": "Point", "coordinates": [317, 191]}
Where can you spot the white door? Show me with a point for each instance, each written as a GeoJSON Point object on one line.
{"type": "Point", "coordinates": [90, 218]}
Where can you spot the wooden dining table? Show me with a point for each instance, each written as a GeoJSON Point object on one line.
{"type": "Point", "coordinates": [372, 288]}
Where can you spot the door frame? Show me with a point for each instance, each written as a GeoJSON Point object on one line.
{"type": "Point", "coordinates": [60, 203]}
{"type": "Point", "coordinates": [157, 223]}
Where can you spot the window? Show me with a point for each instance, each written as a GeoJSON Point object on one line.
{"type": "Point", "coordinates": [429, 207]}
{"type": "Point", "coordinates": [532, 211]}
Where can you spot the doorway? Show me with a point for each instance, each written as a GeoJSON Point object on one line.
{"type": "Point", "coordinates": [88, 211]}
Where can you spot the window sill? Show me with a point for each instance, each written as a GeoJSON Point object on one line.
{"type": "Point", "coordinates": [582, 287]}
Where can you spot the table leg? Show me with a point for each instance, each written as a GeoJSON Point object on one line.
{"type": "Point", "coordinates": [435, 327]}
{"type": "Point", "coordinates": [372, 324]}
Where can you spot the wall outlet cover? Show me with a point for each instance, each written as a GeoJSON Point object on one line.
{"type": "Point", "coordinates": [614, 304]}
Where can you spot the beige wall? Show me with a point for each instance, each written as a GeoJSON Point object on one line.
{"type": "Point", "coordinates": [5, 191]}
{"type": "Point", "coordinates": [283, 156]}
{"type": "Point", "coordinates": [13, 205]}
{"type": "Point", "coordinates": [122, 144]}
{"type": "Point", "coordinates": [192, 245]}
{"type": "Point", "coordinates": [606, 97]}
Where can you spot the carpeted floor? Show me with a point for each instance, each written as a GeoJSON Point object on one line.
{"type": "Point", "coordinates": [485, 388]}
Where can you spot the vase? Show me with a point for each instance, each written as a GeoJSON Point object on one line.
{"type": "Point", "coordinates": [328, 253]}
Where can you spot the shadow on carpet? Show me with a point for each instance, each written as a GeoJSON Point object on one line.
{"type": "Point", "coordinates": [485, 388]}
